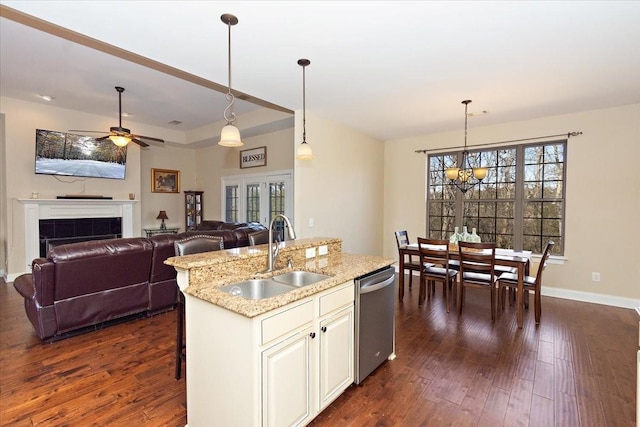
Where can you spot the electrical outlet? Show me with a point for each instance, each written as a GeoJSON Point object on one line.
{"type": "Point", "coordinates": [595, 276]}
{"type": "Point", "coordinates": [310, 252]}
{"type": "Point", "coordinates": [310, 222]}
{"type": "Point", "coordinates": [323, 250]}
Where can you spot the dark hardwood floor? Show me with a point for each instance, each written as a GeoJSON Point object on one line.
{"type": "Point", "coordinates": [576, 369]}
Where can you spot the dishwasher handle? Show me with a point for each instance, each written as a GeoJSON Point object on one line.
{"type": "Point", "coordinates": [377, 285]}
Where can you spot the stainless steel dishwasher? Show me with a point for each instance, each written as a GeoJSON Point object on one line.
{"type": "Point", "coordinates": [375, 321]}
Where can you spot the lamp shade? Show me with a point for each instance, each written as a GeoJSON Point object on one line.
{"type": "Point", "coordinates": [162, 215]}
{"type": "Point", "coordinates": [230, 136]}
{"type": "Point", "coordinates": [304, 152]}
{"type": "Point", "coordinates": [480, 173]}
{"type": "Point", "coordinates": [452, 173]}
{"type": "Point", "coordinates": [120, 141]}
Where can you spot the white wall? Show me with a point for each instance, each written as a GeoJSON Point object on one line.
{"type": "Point", "coordinates": [602, 191]}
{"type": "Point", "coordinates": [342, 188]}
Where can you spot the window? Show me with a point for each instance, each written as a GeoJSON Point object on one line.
{"type": "Point", "coordinates": [520, 204]}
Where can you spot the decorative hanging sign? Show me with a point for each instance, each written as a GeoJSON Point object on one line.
{"type": "Point", "coordinates": [253, 158]}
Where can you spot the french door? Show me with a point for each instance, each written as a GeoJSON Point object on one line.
{"type": "Point", "coordinates": [257, 198]}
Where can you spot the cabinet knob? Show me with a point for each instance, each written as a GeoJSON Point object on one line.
{"type": "Point", "coordinates": [312, 335]}
{"type": "Point", "coordinates": [323, 329]}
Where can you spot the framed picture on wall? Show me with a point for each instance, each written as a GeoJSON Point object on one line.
{"type": "Point", "coordinates": [253, 158]}
{"type": "Point", "coordinates": [165, 181]}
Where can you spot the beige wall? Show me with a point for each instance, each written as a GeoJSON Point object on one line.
{"type": "Point", "coordinates": [341, 189]}
{"type": "Point", "coordinates": [166, 157]}
{"type": "Point", "coordinates": [3, 198]}
{"type": "Point", "coordinates": [200, 169]}
{"type": "Point", "coordinates": [214, 162]}
{"type": "Point", "coordinates": [603, 197]}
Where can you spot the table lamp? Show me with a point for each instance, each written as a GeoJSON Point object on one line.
{"type": "Point", "coordinates": [162, 215]}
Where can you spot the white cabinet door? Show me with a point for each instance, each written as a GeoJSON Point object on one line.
{"type": "Point", "coordinates": [286, 381]}
{"type": "Point", "coordinates": [336, 355]}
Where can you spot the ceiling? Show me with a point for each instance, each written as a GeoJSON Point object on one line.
{"type": "Point", "coordinates": [391, 69]}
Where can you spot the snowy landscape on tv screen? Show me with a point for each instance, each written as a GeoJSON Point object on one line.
{"type": "Point", "coordinates": [67, 154]}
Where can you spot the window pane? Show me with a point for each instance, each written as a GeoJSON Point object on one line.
{"type": "Point", "coordinates": [491, 205]}
{"type": "Point", "coordinates": [231, 210]}
{"type": "Point", "coordinates": [253, 202]}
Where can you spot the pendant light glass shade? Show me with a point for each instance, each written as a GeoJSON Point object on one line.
{"type": "Point", "coordinates": [304, 151]}
{"type": "Point", "coordinates": [230, 135]}
{"type": "Point", "coordinates": [120, 141]}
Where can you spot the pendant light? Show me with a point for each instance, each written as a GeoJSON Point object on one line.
{"type": "Point", "coordinates": [466, 176]}
{"type": "Point", "coordinates": [304, 150]}
{"type": "Point", "coordinates": [230, 135]}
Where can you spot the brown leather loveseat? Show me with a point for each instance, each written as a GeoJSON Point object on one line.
{"type": "Point", "coordinates": [82, 285]}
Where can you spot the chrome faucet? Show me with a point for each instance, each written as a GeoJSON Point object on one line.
{"type": "Point", "coordinates": [275, 251]}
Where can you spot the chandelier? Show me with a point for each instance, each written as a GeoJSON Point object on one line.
{"type": "Point", "coordinates": [466, 176]}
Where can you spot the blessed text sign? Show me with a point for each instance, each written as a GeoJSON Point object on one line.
{"type": "Point", "coordinates": [253, 158]}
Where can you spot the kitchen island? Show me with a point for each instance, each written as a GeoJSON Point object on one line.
{"type": "Point", "coordinates": [275, 361]}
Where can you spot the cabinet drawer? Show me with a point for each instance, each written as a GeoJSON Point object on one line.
{"type": "Point", "coordinates": [336, 299]}
{"type": "Point", "coordinates": [286, 321]}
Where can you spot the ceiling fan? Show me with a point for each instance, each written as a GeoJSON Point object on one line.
{"type": "Point", "coordinates": [119, 135]}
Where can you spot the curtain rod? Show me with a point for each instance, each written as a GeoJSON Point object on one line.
{"type": "Point", "coordinates": [568, 135]}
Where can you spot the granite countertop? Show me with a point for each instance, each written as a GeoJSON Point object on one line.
{"type": "Point", "coordinates": [342, 267]}
{"type": "Point", "coordinates": [243, 253]}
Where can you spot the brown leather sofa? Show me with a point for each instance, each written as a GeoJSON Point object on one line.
{"type": "Point", "coordinates": [80, 286]}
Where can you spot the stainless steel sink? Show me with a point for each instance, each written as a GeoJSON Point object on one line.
{"type": "Point", "coordinates": [299, 278]}
{"type": "Point", "coordinates": [257, 289]}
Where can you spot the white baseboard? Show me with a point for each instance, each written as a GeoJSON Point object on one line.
{"type": "Point", "coordinates": [11, 277]}
{"type": "Point", "coordinates": [591, 297]}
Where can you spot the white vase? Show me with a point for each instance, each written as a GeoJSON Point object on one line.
{"type": "Point", "coordinates": [465, 234]}
{"type": "Point", "coordinates": [455, 236]}
{"type": "Point", "coordinates": [474, 236]}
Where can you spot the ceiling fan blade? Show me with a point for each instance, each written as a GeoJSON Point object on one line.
{"type": "Point", "coordinates": [140, 143]}
{"type": "Point", "coordinates": [102, 138]}
{"type": "Point", "coordinates": [148, 137]}
{"type": "Point", "coordinates": [87, 131]}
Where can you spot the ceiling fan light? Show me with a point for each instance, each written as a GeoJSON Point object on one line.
{"type": "Point", "coordinates": [230, 137]}
{"type": "Point", "coordinates": [304, 152]}
{"type": "Point", "coordinates": [120, 141]}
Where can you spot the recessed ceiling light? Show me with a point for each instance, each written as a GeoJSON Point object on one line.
{"type": "Point", "coordinates": [47, 97]}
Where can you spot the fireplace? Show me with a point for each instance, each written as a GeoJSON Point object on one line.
{"type": "Point", "coordinates": [36, 210]}
{"type": "Point", "coordinates": [55, 232]}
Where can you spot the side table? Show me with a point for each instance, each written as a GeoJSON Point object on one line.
{"type": "Point", "coordinates": [153, 231]}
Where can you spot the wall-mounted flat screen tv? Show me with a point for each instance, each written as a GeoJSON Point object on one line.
{"type": "Point", "coordinates": [67, 154]}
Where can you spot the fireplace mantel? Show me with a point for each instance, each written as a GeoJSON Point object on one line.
{"type": "Point", "coordinates": [37, 209]}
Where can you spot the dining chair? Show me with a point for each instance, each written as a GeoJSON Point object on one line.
{"type": "Point", "coordinates": [410, 263]}
{"type": "Point", "coordinates": [477, 270]}
{"type": "Point", "coordinates": [530, 283]}
{"type": "Point", "coordinates": [434, 258]}
{"type": "Point", "coordinates": [188, 246]}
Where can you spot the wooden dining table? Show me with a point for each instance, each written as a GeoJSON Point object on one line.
{"type": "Point", "coordinates": [505, 257]}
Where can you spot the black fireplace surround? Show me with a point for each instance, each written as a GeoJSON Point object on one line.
{"type": "Point", "coordinates": [55, 232]}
